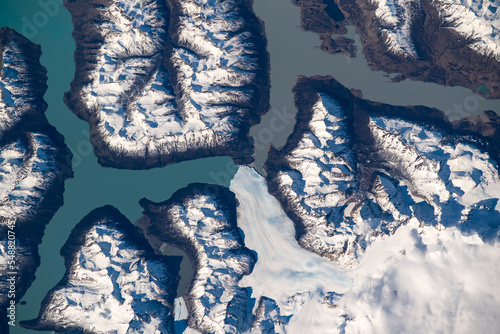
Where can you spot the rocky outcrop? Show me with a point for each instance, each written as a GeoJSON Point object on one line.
{"type": "Point", "coordinates": [162, 82]}
{"type": "Point", "coordinates": [201, 220]}
{"type": "Point", "coordinates": [34, 163]}
{"type": "Point", "coordinates": [113, 282]}
{"type": "Point", "coordinates": [449, 42]}
{"type": "Point", "coordinates": [326, 19]}
{"type": "Point", "coordinates": [355, 170]}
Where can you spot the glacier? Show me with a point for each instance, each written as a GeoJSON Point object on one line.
{"type": "Point", "coordinates": [420, 279]}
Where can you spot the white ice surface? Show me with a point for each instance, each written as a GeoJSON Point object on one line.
{"type": "Point", "coordinates": [419, 280]}
{"type": "Point", "coordinates": [283, 268]}
{"type": "Point", "coordinates": [422, 280]}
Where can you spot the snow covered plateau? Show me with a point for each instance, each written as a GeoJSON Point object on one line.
{"type": "Point", "coordinates": [164, 81]}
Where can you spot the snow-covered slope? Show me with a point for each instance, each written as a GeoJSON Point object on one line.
{"type": "Point", "coordinates": [114, 283]}
{"type": "Point", "coordinates": [201, 220]}
{"type": "Point", "coordinates": [418, 280]}
{"type": "Point", "coordinates": [292, 286]}
{"type": "Point", "coordinates": [34, 162]}
{"type": "Point", "coordinates": [350, 175]}
{"type": "Point", "coordinates": [159, 85]}
{"type": "Point", "coordinates": [396, 19]}
{"type": "Point", "coordinates": [22, 80]}
{"type": "Point", "coordinates": [29, 170]}
{"type": "Point", "coordinates": [478, 21]}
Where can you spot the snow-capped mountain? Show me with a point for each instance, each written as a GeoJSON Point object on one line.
{"type": "Point", "coordinates": [23, 81]}
{"type": "Point", "coordinates": [449, 42]}
{"type": "Point", "coordinates": [34, 162]}
{"type": "Point", "coordinates": [418, 280]}
{"type": "Point", "coordinates": [201, 220]}
{"type": "Point", "coordinates": [476, 21]}
{"type": "Point", "coordinates": [160, 82]}
{"type": "Point", "coordinates": [354, 171]}
{"type": "Point", "coordinates": [114, 283]}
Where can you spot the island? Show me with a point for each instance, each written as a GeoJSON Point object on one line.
{"type": "Point", "coordinates": [34, 163]}
{"type": "Point", "coordinates": [354, 171]}
{"type": "Point", "coordinates": [163, 82]}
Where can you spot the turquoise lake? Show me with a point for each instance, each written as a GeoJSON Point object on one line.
{"type": "Point", "coordinates": [292, 52]}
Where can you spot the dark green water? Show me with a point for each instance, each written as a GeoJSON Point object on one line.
{"type": "Point", "coordinates": [92, 185]}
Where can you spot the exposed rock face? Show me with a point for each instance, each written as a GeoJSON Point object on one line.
{"type": "Point", "coordinates": [486, 124]}
{"type": "Point", "coordinates": [165, 82]}
{"type": "Point", "coordinates": [23, 82]}
{"type": "Point", "coordinates": [354, 171]}
{"type": "Point", "coordinates": [325, 18]}
{"type": "Point", "coordinates": [201, 220]}
{"type": "Point", "coordinates": [114, 283]}
{"type": "Point", "coordinates": [34, 162]}
{"type": "Point", "coordinates": [268, 318]}
{"type": "Point", "coordinates": [449, 42]}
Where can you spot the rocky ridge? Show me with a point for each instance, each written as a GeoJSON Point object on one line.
{"type": "Point", "coordinates": [354, 171]}
{"type": "Point", "coordinates": [449, 42]}
{"type": "Point", "coordinates": [34, 163]}
{"type": "Point", "coordinates": [162, 82]}
{"type": "Point", "coordinates": [114, 283]}
{"type": "Point", "coordinates": [201, 220]}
